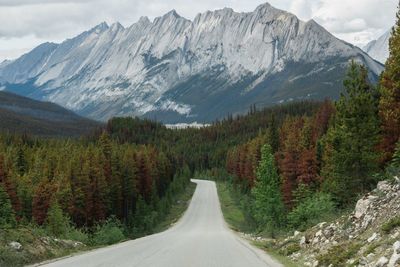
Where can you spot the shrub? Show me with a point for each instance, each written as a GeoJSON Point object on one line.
{"type": "Point", "coordinates": [311, 211]}
{"type": "Point", "coordinates": [109, 233]}
{"type": "Point", "coordinates": [77, 235]}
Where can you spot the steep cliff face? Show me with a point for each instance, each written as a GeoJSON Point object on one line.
{"type": "Point", "coordinates": [379, 49]}
{"type": "Point", "coordinates": [178, 70]}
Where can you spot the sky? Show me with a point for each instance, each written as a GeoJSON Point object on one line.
{"type": "Point", "coordinates": [25, 24]}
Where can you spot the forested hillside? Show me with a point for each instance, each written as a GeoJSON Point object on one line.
{"type": "Point", "coordinates": [22, 115]}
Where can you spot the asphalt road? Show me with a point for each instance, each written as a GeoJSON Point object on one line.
{"type": "Point", "coordinates": [200, 239]}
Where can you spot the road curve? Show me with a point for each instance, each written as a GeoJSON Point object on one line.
{"type": "Point", "coordinates": [200, 239]}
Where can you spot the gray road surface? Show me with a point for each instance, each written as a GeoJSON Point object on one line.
{"type": "Point", "coordinates": [200, 239]}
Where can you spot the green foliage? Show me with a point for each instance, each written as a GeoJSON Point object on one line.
{"type": "Point", "coordinates": [76, 234]}
{"type": "Point", "coordinates": [9, 257]}
{"type": "Point", "coordinates": [57, 224]}
{"type": "Point", "coordinates": [108, 233]}
{"type": "Point", "coordinates": [390, 225]}
{"type": "Point", "coordinates": [290, 249]}
{"type": "Point", "coordinates": [268, 206]}
{"type": "Point", "coordinates": [235, 207]}
{"type": "Point", "coordinates": [311, 210]}
{"type": "Point", "coordinates": [7, 215]}
{"type": "Point", "coordinates": [350, 144]}
{"type": "Point", "coordinates": [389, 102]}
{"type": "Point", "coordinates": [396, 156]}
{"type": "Point", "coordinates": [337, 256]}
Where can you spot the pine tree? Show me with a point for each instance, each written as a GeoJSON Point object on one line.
{"type": "Point", "coordinates": [20, 161]}
{"type": "Point", "coordinates": [57, 224]}
{"type": "Point", "coordinates": [273, 134]}
{"type": "Point", "coordinates": [269, 208]}
{"type": "Point", "coordinates": [351, 141]}
{"type": "Point", "coordinates": [389, 105]}
{"type": "Point", "coordinates": [41, 201]}
{"type": "Point", "coordinates": [7, 215]}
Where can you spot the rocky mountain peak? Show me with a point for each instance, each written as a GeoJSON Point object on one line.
{"type": "Point", "coordinates": [184, 69]}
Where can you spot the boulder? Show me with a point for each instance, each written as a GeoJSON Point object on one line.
{"type": "Point", "coordinates": [395, 259]}
{"type": "Point", "coordinates": [381, 262]}
{"type": "Point", "coordinates": [303, 241]}
{"type": "Point", "coordinates": [15, 245]}
{"type": "Point", "coordinates": [362, 207]}
{"type": "Point", "coordinates": [384, 186]}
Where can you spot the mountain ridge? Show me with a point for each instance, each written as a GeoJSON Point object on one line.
{"type": "Point", "coordinates": [379, 48]}
{"type": "Point", "coordinates": [147, 69]}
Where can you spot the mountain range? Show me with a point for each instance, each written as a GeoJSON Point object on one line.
{"type": "Point", "coordinates": [379, 49]}
{"type": "Point", "coordinates": [176, 70]}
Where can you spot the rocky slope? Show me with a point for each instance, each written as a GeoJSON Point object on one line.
{"type": "Point", "coordinates": [369, 236]}
{"type": "Point", "coordinates": [177, 70]}
{"type": "Point", "coordinates": [379, 49]}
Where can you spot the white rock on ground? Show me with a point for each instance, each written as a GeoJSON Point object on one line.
{"type": "Point", "coordinates": [395, 259]}
{"type": "Point", "coordinates": [15, 245]}
{"type": "Point", "coordinates": [381, 262]}
{"type": "Point", "coordinates": [373, 237]}
{"type": "Point", "coordinates": [362, 207]}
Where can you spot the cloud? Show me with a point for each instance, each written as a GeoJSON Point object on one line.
{"type": "Point", "coordinates": [355, 19]}
{"type": "Point", "coordinates": [37, 2]}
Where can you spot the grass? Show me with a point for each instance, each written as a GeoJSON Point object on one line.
{"type": "Point", "coordinates": [277, 254]}
{"type": "Point", "coordinates": [177, 209]}
{"type": "Point", "coordinates": [390, 225]}
{"type": "Point", "coordinates": [233, 215]}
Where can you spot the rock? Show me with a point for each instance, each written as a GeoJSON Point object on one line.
{"type": "Point", "coordinates": [303, 241]}
{"type": "Point", "coordinates": [381, 262]}
{"type": "Point", "coordinates": [395, 235]}
{"type": "Point", "coordinates": [383, 186]}
{"type": "Point", "coordinates": [296, 233]}
{"type": "Point", "coordinates": [351, 261]}
{"type": "Point", "coordinates": [329, 231]}
{"type": "Point", "coordinates": [396, 247]}
{"type": "Point", "coordinates": [69, 243]}
{"type": "Point", "coordinates": [319, 233]}
{"type": "Point", "coordinates": [15, 245]}
{"type": "Point", "coordinates": [362, 207]}
{"type": "Point", "coordinates": [373, 237]}
{"type": "Point", "coordinates": [370, 257]}
{"type": "Point", "coordinates": [395, 259]}
{"type": "Point", "coordinates": [46, 240]}
{"type": "Point", "coordinates": [315, 263]}
{"type": "Point", "coordinates": [363, 261]}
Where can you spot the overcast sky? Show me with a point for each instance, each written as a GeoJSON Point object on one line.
{"type": "Point", "coordinates": [26, 23]}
